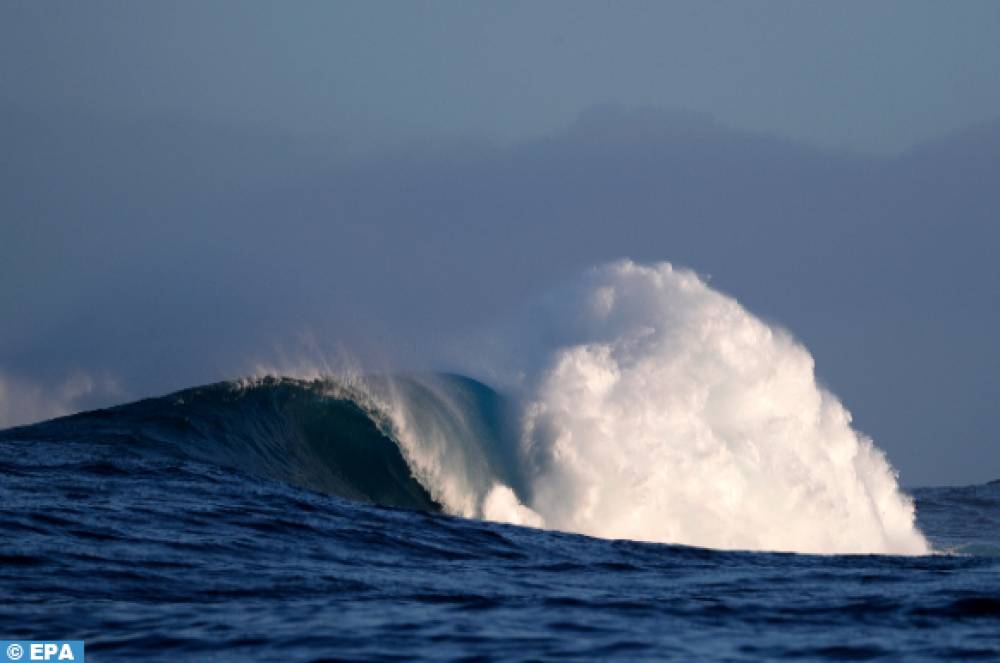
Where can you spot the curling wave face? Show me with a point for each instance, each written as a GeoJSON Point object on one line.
{"type": "Point", "coordinates": [646, 406]}
{"type": "Point", "coordinates": [315, 434]}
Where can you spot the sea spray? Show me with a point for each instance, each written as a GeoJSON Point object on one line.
{"type": "Point", "coordinates": [659, 409]}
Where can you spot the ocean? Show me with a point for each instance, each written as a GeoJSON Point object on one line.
{"type": "Point", "coordinates": [287, 519]}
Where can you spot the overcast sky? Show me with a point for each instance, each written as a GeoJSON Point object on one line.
{"type": "Point", "coordinates": [874, 76]}
{"type": "Point", "coordinates": [189, 189]}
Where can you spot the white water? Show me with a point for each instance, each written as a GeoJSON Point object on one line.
{"type": "Point", "coordinates": [659, 409]}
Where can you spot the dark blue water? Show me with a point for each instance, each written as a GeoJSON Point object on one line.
{"type": "Point", "coordinates": [222, 524]}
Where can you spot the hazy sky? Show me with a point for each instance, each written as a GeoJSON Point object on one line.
{"type": "Point", "coordinates": [875, 76]}
{"type": "Point", "coordinates": [188, 189]}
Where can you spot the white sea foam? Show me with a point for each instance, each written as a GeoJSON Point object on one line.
{"type": "Point", "coordinates": [660, 409]}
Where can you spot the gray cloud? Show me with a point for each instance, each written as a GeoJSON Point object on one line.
{"type": "Point", "coordinates": [877, 77]}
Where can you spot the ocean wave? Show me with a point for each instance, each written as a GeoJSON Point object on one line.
{"type": "Point", "coordinates": [647, 406]}
{"type": "Point", "coordinates": [318, 434]}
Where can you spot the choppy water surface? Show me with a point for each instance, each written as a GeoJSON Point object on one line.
{"type": "Point", "coordinates": [206, 527]}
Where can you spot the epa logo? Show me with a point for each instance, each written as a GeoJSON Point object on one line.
{"type": "Point", "coordinates": [66, 650]}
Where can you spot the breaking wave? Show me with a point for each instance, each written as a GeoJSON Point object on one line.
{"type": "Point", "coordinates": [645, 405]}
